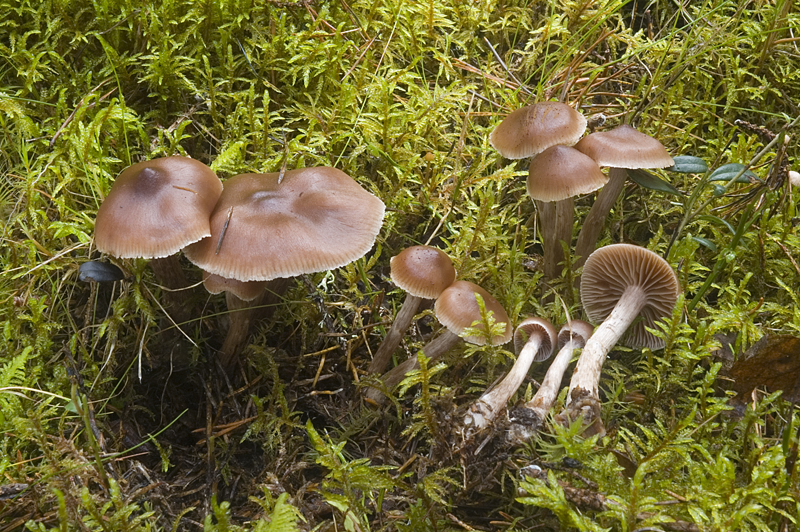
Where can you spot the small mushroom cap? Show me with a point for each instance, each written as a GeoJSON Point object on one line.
{"type": "Point", "coordinates": [422, 271]}
{"type": "Point", "coordinates": [533, 129]}
{"type": "Point", "coordinates": [561, 172]}
{"type": "Point", "coordinates": [576, 330]}
{"type": "Point", "coordinates": [541, 328]}
{"type": "Point", "coordinates": [244, 290]}
{"type": "Point", "coordinates": [456, 308]}
{"type": "Point", "coordinates": [625, 147]}
{"type": "Point", "coordinates": [157, 207]}
{"type": "Point", "coordinates": [610, 270]}
{"type": "Point", "coordinates": [315, 219]}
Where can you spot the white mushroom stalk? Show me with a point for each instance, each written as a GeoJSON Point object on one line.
{"type": "Point", "coordinates": [541, 340]}
{"type": "Point", "coordinates": [529, 417]}
{"type": "Point", "coordinates": [620, 283]}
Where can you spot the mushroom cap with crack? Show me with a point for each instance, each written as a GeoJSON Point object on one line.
{"type": "Point", "coordinates": [422, 271]}
{"type": "Point", "coordinates": [579, 329]}
{"type": "Point", "coordinates": [157, 207]}
{"type": "Point", "coordinates": [625, 147]}
{"type": "Point", "coordinates": [539, 326]}
{"type": "Point", "coordinates": [610, 270]}
{"type": "Point", "coordinates": [561, 172]}
{"type": "Point", "coordinates": [457, 308]}
{"type": "Point", "coordinates": [314, 219]}
{"type": "Point", "coordinates": [533, 129]}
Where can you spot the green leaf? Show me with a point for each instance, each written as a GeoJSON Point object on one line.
{"type": "Point", "coordinates": [726, 172]}
{"type": "Point", "coordinates": [688, 164]}
{"type": "Point", "coordinates": [647, 180]}
{"type": "Point", "coordinates": [717, 220]}
{"type": "Point", "coordinates": [705, 242]}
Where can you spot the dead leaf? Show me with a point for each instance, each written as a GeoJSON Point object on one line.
{"type": "Point", "coordinates": [774, 362]}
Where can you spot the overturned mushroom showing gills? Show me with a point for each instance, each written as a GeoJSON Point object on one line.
{"type": "Point", "coordinates": [534, 341]}
{"type": "Point", "coordinates": [530, 416]}
{"type": "Point", "coordinates": [620, 148]}
{"type": "Point", "coordinates": [154, 209]}
{"type": "Point", "coordinates": [263, 228]}
{"type": "Point", "coordinates": [620, 283]}
{"type": "Point", "coordinates": [423, 272]}
{"type": "Point", "coordinates": [457, 309]}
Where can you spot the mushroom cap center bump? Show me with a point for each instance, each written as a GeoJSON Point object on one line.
{"type": "Point", "coordinates": [157, 207]}
{"type": "Point", "coordinates": [315, 219]}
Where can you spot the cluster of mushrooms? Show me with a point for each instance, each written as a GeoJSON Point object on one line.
{"type": "Point", "coordinates": [625, 289]}
{"type": "Point", "coordinates": [248, 235]}
{"type": "Point", "coordinates": [254, 231]}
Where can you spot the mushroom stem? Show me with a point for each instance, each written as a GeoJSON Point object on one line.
{"type": "Point", "coordinates": [595, 220]}
{"type": "Point", "coordinates": [242, 316]}
{"type": "Point", "coordinates": [530, 416]}
{"type": "Point", "coordinates": [584, 397]}
{"type": "Point", "coordinates": [395, 335]}
{"type": "Point", "coordinates": [169, 274]}
{"type": "Point", "coordinates": [491, 403]}
{"type": "Point", "coordinates": [433, 350]}
{"type": "Point", "coordinates": [555, 221]}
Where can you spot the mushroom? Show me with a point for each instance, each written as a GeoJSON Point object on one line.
{"type": "Point", "coordinates": [457, 309]}
{"type": "Point", "coordinates": [264, 228]}
{"type": "Point", "coordinates": [530, 131]}
{"type": "Point", "coordinates": [620, 282]}
{"type": "Point", "coordinates": [534, 341]}
{"type": "Point", "coordinates": [620, 148]}
{"type": "Point", "coordinates": [154, 209]}
{"type": "Point", "coordinates": [423, 272]}
{"type": "Point", "coordinates": [530, 416]}
{"type": "Point", "coordinates": [557, 175]}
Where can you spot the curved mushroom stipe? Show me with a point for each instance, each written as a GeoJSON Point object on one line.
{"type": "Point", "coordinates": [619, 148]}
{"type": "Point", "coordinates": [620, 282]}
{"type": "Point", "coordinates": [537, 344]}
{"type": "Point", "coordinates": [456, 308]}
{"type": "Point", "coordinates": [423, 272]}
{"type": "Point", "coordinates": [528, 418]}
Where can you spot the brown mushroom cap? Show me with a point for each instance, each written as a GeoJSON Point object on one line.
{"type": "Point", "coordinates": [532, 129]}
{"type": "Point", "coordinates": [456, 308]}
{"type": "Point", "coordinates": [422, 271]}
{"type": "Point", "coordinates": [315, 219]}
{"type": "Point", "coordinates": [244, 290]}
{"type": "Point", "coordinates": [530, 326]}
{"type": "Point", "coordinates": [157, 207]}
{"type": "Point", "coordinates": [561, 172]}
{"type": "Point", "coordinates": [625, 147]}
{"type": "Point", "coordinates": [579, 329]}
{"type": "Point", "coordinates": [611, 269]}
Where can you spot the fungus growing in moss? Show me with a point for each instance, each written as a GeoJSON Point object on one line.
{"type": "Point", "coordinates": [264, 228]}
{"type": "Point", "coordinates": [423, 272]}
{"type": "Point", "coordinates": [620, 283]}
{"type": "Point", "coordinates": [620, 148]}
{"type": "Point", "coordinates": [534, 340]}
{"type": "Point", "coordinates": [529, 417]}
{"type": "Point", "coordinates": [457, 309]}
{"type": "Point", "coordinates": [154, 209]}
